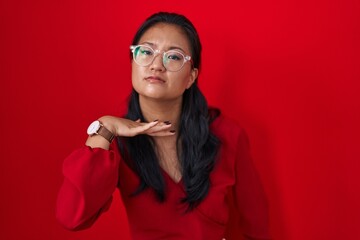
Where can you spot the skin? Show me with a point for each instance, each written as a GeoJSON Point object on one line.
{"type": "Point", "coordinates": [154, 82]}
{"type": "Point", "coordinates": [160, 96]}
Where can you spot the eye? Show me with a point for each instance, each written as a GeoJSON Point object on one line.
{"type": "Point", "coordinates": [175, 56]}
{"type": "Point", "coordinates": [145, 51]}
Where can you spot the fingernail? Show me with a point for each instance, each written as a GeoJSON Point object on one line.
{"type": "Point", "coordinates": [167, 122]}
{"type": "Point", "coordinates": [172, 131]}
{"type": "Point", "coordinates": [156, 120]}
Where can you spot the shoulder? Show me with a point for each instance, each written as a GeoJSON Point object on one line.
{"type": "Point", "coordinates": [224, 127]}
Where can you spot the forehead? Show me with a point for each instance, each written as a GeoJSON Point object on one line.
{"type": "Point", "coordinates": [166, 36]}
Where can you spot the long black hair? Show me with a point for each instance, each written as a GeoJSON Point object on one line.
{"type": "Point", "coordinates": [199, 147]}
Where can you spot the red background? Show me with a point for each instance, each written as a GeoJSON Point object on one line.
{"type": "Point", "coordinates": [288, 71]}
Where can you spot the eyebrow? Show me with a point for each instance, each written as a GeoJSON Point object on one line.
{"type": "Point", "coordinates": [170, 48]}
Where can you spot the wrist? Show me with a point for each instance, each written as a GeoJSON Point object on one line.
{"type": "Point", "coordinates": [109, 124]}
{"type": "Point", "coordinates": [97, 128]}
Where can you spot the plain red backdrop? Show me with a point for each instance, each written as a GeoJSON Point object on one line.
{"type": "Point", "coordinates": [288, 71]}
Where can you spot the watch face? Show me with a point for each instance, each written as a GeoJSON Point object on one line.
{"type": "Point", "coordinates": [93, 128]}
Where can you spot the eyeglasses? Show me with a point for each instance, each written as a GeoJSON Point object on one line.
{"type": "Point", "coordinates": [172, 60]}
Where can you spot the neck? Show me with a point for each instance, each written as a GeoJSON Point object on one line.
{"type": "Point", "coordinates": [169, 110]}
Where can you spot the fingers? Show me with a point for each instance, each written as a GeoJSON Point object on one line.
{"type": "Point", "coordinates": [129, 128]}
{"type": "Point", "coordinates": [156, 128]}
{"type": "Point", "coordinates": [138, 127]}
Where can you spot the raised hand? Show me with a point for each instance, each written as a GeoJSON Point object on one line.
{"type": "Point", "coordinates": [128, 128]}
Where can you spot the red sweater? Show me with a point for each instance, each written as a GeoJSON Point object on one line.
{"type": "Point", "coordinates": [92, 176]}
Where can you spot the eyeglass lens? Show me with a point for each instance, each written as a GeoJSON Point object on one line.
{"type": "Point", "coordinates": [172, 60]}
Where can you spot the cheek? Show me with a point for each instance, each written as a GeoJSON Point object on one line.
{"type": "Point", "coordinates": [181, 80]}
{"type": "Point", "coordinates": [135, 74]}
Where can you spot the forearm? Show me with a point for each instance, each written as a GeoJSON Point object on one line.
{"type": "Point", "coordinates": [91, 177]}
{"type": "Point", "coordinates": [91, 173]}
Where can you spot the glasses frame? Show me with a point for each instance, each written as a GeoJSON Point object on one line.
{"type": "Point", "coordinates": [157, 52]}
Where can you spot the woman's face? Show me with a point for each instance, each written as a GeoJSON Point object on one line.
{"type": "Point", "coordinates": [155, 81]}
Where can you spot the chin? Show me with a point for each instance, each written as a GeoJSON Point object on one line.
{"type": "Point", "coordinates": [152, 95]}
{"type": "Point", "coordinates": [151, 91]}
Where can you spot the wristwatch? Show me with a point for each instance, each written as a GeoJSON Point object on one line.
{"type": "Point", "coordinates": [97, 128]}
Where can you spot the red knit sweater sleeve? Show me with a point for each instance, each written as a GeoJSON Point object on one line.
{"type": "Point", "coordinates": [249, 194]}
{"type": "Point", "coordinates": [90, 178]}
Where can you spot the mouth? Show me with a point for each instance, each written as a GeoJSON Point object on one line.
{"type": "Point", "coordinates": [154, 79]}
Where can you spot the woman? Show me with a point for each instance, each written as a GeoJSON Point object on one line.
{"type": "Point", "coordinates": [179, 165]}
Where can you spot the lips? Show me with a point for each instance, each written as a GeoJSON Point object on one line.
{"type": "Point", "coordinates": [154, 79]}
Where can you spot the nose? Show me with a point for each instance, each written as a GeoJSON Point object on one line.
{"type": "Point", "coordinates": [157, 64]}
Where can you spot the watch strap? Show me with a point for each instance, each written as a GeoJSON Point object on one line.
{"type": "Point", "coordinates": [105, 133]}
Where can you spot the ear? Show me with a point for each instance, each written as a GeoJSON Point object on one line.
{"type": "Point", "coordinates": [193, 76]}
